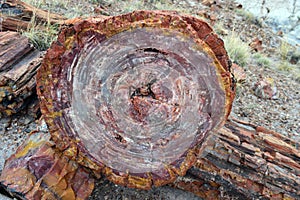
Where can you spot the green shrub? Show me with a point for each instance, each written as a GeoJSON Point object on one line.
{"type": "Point", "coordinates": [284, 50]}
{"type": "Point", "coordinates": [285, 66]}
{"type": "Point", "coordinates": [261, 60]}
{"type": "Point", "coordinates": [246, 14]}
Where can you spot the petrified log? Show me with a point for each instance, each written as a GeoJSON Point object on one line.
{"type": "Point", "coordinates": [240, 161]}
{"type": "Point", "coordinates": [19, 62]}
{"type": "Point", "coordinates": [16, 15]}
{"type": "Point", "coordinates": [134, 96]}
{"type": "Point", "coordinates": [245, 161]}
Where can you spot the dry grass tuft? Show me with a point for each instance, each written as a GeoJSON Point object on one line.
{"type": "Point", "coordinates": [238, 51]}
{"type": "Point", "coordinates": [41, 36]}
{"type": "Point", "coordinates": [261, 60]}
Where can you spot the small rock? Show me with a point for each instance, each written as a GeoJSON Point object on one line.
{"type": "Point", "coordinates": [256, 45]}
{"type": "Point", "coordinates": [280, 33]}
{"type": "Point", "coordinates": [208, 2]}
{"type": "Point", "coordinates": [25, 120]}
{"type": "Point", "coordinates": [213, 17]}
{"type": "Point", "coordinates": [201, 13]}
{"type": "Point", "coordinates": [265, 89]}
{"type": "Point", "coordinates": [239, 6]}
{"type": "Point", "coordinates": [42, 126]}
{"type": "Point", "coordinates": [102, 10]}
{"type": "Point", "coordinates": [295, 59]}
{"type": "Point", "coordinates": [214, 8]}
{"type": "Point", "coordinates": [5, 122]}
{"type": "Point", "coordinates": [239, 73]}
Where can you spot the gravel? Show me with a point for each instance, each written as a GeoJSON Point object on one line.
{"type": "Point", "coordinates": [13, 131]}
{"type": "Point", "coordinates": [105, 190]}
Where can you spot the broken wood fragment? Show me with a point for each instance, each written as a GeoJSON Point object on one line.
{"type": "Point", "coordinates": [245, 162]}
{"type": "Point", "coordinates": [38, 171]}
{"type": "Point", "coordinates": [19, 62]}
{"type": "Point", "coordinates": [17, 15]}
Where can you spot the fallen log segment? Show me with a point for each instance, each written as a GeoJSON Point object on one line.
{"type": "Point", "coordinates": [239, 162]}
{"type": "Point", "coordinates": [134, 96]}
{"type": "Point", "coordinates": [17, 15]}
{"type": "Point", "coordinates": [38, 171]}
{"type": "Point", "coordinates": [19, 62]}
{"type": "Point", "coordinates": [243, 161]}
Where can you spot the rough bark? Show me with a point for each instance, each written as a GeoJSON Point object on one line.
{"type": "Point", "coordinates": [134, 96]}
{"type": "Point", "coordinates": [16, 15]}
{"type": "Point", "coordinates": [245, 161]}
{"type": "Point", "coordinates": [19, 62]}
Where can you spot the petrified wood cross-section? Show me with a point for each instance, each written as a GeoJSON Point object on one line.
{"type": "Point", "coordinates": [134, 96]}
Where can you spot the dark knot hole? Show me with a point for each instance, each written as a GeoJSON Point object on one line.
{"type": "Point", "coordinates": [144, 91]}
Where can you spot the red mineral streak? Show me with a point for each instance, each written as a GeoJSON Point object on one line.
{"type": "Point", "coordinates": [38, 171]}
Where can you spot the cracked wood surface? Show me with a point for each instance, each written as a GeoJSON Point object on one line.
{"type": "Point", "coordinates": [245, 161]}
{"type": "Point", "coordinates": [39, 171]}
{"type": "Point", "coordinates": [240, 161]}
{"type": "Point", "coordinates": [19, 62]}
{"type": "Point", "coordinates": [134, 96]}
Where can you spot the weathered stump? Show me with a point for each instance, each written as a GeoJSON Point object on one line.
{"type": "Point", "coordinates": [19, 62]}
{"type": "Point", "coordinates": [134, 96]}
